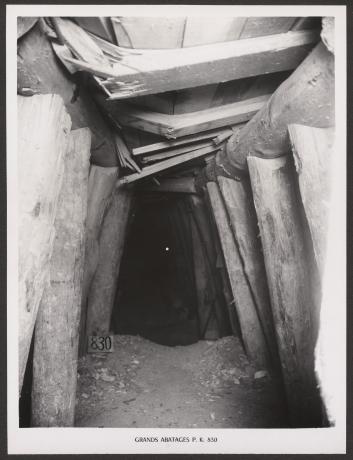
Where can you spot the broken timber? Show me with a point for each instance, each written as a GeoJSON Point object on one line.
{"type": "Point", "coordinates": [57, 325]}
{"type": "Point", "coordinates": [252, 333]}
{"type": "Point", "coordinates": [312, 151]}
{"type": "Point", "coordinates": [291, 285]}
{"type": "Point", "coordinates": [193, 138]}
{"type": "Point", "coordinates": [43, 130]}
{"type": "Point", "coordinates": [111, 243]}
{"type": "Point", "coordinates": [79, 42]}
{"type": "Point", "coordinates": [174, 126]}
{"type": "Point", "coordinates": [163, 165]}
{"type": "Point", "coordinates": [160, 71]}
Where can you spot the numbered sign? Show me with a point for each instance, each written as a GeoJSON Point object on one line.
{"type": "Point", "coordinates": [100, 344]}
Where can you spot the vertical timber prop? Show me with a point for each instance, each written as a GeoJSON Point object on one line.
{"type": "Point", "coordinates": [43, 130]}
{"type": "Point", "coordinates": [238, 200]}
{"type": "Point", "coordinates": [251, 330]}
{"type": "Point", "coordinates": [204, 287]}
{"type": "Point", "coordinates": [312, 151]}
{"type": "Point", "coordinates": [101, 183]}
{"type": "Point", "coordinates": [203, 224]}
{"type": "Point", "coordinates": [57, 326]}
{"type": "Point", "coordinates": [111, 244]}
{"type": "Point", "coordinates": [290, 278]}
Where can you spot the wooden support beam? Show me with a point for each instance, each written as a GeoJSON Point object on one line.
{"type": "Point", "coordinates": [169, 153]}
{"type": "Point", "coordinates": [161, 71]}
{"type": "Point", "coordinates": [163, 165]}
{"type": "Point", "coordinates": [292, 284]}
{"type": "Point", "coordinates": [173, 185]}
{"type": "Point", "coordinates": [174, 126]}
{"type": "Point", "coordinates": [57, 325]}
{"type": "Point", "coordinates": [209, 239]}
{"type": "Point", "coordinates": [238, 200]}
{"type": "Point", "coordinates": [206, 297]}
{"type": "Point", "coordinates": [157, 147]}
{"type": "Point", "coordinates": [100, 187]}
{"type": "Point", "coordinates": [306, 97]}
{"type": "Point", "coordinates": [43, 130]}
{"type": "Point", "coordinates": [111, 244]}
{"type": "Point", "coordinates": [251, 330]}
{"type": "Point", "coordinates": [312, 150]}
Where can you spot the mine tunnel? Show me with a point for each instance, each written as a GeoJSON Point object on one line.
{"type": "Point", "coordinates": [170, 258]}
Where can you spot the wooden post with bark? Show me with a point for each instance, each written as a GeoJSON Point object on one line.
{"type": "Point", "coordinates": [57, 326]}
{"type": "Point", "coordinates": [312, 151]}
{"type": "Point", "coordinates": [291, 282]}
{"type": "Point", "coordinates": [252, 333]}
{"type": "Point", "coordinates": [111, 244]}
{"type": "Point", "coordinates": [43, 129]}
{"type": "Point", "coordinates": [238, 201]}
{"type": "Point", "coordinates": [306, 97]}
{"type": "Point", "coordinates": [101, 183]}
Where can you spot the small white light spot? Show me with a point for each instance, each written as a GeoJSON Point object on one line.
{"type": "Point", "coordinates": [167, 249]}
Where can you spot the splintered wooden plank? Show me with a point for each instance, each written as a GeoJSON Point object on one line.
{"type": "Point", "coordinates": [173, 126]}
{"type": "Point", "coordinates": [57, 325]}
{"type": "Point", "coordinates": [163, 165]}
{"type": "Point", "coordinates": [124, 154]}
{"type": "Point", "coordinates": [149, 32]}
{"type": "Point", "coordinates": [252, 334]}
{"type": "Point", "coordinates": [97, 25]}
{"type": "Point", "coordinates": [205, 30]}
{"type": "Point", "coordinates": [262, 26]}
{"type": "Point", "coordinates": [293, 283]}
{"type": "Point", "coordinates": [173, 185]}
{"type": "Point", "coordinates": [174, 143]}
{"type": "Point", "coordinates": [43, 130]}
{"type": "Point", "coordinates": [79, 42]}
{"type": "Point", "coordinates": [160, 71]}
{"type": "Point", "coordinates": [174, 152]}
{"type": "Point", "coordinates": [312, 151]}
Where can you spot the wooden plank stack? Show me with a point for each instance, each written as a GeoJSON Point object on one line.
{"type": "Point", "coordinates": [124, 58]}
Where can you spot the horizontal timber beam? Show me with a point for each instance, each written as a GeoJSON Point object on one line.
{"type": "Point", "coordinates": [159, 71]}
{"type": "Point", "coordinates": [163, 165]}
{"type": "Point", "coordinates": [174, 126]}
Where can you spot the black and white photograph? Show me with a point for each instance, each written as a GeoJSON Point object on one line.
{"type": "Point", "coordinates": [176, 229]}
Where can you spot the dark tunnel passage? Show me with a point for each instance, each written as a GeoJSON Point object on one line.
{"type": "Point", "coordinates": [156, 296]}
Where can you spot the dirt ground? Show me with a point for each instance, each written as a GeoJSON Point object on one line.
{"type": "Point", "coordinates": [209, 384]}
